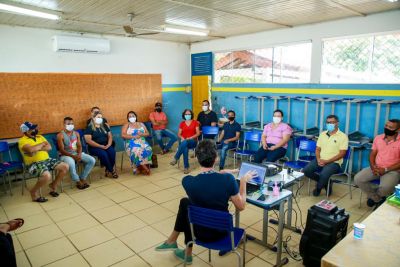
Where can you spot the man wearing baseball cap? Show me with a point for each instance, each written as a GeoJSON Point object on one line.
{"type": "Point", "coordinates": [34, 149]}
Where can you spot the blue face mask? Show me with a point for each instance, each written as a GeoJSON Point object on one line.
{"type": "Point", "coordinates": [188, 117]}
{"type": "Point", "coordinates": [330, 127]}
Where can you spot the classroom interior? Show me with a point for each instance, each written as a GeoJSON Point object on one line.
{"type": "Point", "coordinates": [307, 58]}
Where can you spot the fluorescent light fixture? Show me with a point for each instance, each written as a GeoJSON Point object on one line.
{"type": "Point", "coordinates": [28, 12]}
{"type": "Point", "coordinates": [392, 1]}
{"type": "Point", "coordinates": [185, 30]}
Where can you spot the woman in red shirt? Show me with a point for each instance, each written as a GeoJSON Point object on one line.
{"type": "Point", "coordinates": [187, 133]}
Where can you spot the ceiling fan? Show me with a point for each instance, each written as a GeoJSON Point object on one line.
{"type": "Point", "coordinates": [129, 31]}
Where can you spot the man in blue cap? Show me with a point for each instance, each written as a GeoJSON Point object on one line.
{"type": "Point", "coordinates": [34, 149]}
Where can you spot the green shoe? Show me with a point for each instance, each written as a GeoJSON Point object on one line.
{"type": "Point", "coordinates": [180, 254]}
{"type": "Point", "coordinates": [165, 247]}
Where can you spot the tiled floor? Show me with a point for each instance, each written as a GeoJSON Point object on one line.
{"type": "Point", "coordinates": [119, 222]}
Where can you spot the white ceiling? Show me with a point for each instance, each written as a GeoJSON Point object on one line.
{"type": "Point", "coordinates": [222, 18]}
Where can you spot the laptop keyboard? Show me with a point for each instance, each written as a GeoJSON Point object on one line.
{"type": "Point", "coordinates": [250, 188]}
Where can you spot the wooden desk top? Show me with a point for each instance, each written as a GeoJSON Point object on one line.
{"type": "Point", "coordinates": [380, 246]}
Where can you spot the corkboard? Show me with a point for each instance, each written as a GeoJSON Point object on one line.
{"type": "Point", "coordinates": [46, 98]}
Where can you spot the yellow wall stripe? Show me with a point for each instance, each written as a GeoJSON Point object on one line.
{"type": "Point", "coordinates": [173, 89]}
{"type": "Point", "coordinates": [308, 91]}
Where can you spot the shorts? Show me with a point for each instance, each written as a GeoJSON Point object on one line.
{"type": "Point", "coordinates": [38, 168]}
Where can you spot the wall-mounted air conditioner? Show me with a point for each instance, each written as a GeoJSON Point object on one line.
{"type": "Point", "coordinates": [78, 44]}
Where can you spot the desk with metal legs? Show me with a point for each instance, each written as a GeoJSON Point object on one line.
{"type": "Point", "coordinates": [270, 203]}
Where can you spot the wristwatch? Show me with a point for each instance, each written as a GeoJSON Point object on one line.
{"type": "Point", "coordinates": [386, 170]}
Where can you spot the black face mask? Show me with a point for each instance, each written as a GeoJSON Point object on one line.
{"type": "Point", "coordinates": [158, 109]}
{"type": "Point", "coordinates": [389, 132]}
{"type": "Point", "coordinates": [231, 118]}
{"type": "Point", "coordinates": [34, 132]}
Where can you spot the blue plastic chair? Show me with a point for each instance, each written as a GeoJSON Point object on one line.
{"type": "Point", "coordinates": [244, 150]}
{"type": "Point", "coordinates": [9, 165]}
{"type": "Point", "coordinates": [210, 131]}
{"type": "Point", "coordinates": [219, 220]}
{"type": "Point", "coordinates": [307, 146]}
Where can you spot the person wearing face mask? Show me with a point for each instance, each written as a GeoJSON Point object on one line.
{"type": "Point", "coordinates": [187, 133]}
{"type": "Point", "coordinates": [34, 149]}
{"type": "Point", "coordinates": [207, 117]}
{"type": "Point", "coordinates": [384, 165]}
{"type": "Point", "coordinates": [159, 123]}
{"type": "Point", "coordinates": [332, 146]}
{"type": "Point", "coordinates": [275, 138]}
{"type": "Point", "coordinates": [138, 150]}
{"type": "Point", "coordinates": [95, 110]}
{"type": "Point", "coordinates": [70, 148]}
{"type": "Point", "coordinates": [99, 139]}
{"type": "Point", "coordinates": [228, 138]}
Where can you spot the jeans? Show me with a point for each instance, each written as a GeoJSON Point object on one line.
{"type": "Point", "coordinates": [167, 133]}
{"type": "Point", "coordinates": [7, 252]}
{"type": "Point", "coordinates": [183, 148]}
{"type": "Point", "coordinates": [224, 151]}
{"type": "Point", "coordinates": [106, 156]}
{"type": "Point", "coordinates": [270, 155]}
{"type": "Point", "coordinates": [202, 233]}
{"type": "Point", "coordinates": [324, 172]}
{"type": "Point", "coordinates": [87, 160]}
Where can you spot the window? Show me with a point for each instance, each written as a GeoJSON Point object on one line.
{"type": "Point", "coordinates": [281, 64]}
{"type": "Point", "coordinates": [370, 59]}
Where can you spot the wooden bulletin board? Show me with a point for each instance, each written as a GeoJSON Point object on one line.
{"type": "Point", "coordinates": [46, 98]}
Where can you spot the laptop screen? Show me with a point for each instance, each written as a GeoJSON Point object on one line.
{"type": "Point", "coordinates": [261, 170]}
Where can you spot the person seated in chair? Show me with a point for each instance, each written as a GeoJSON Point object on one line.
{"type": "Point", "coordinates": [159, 123]}
{"type": "Point", "coordinates": [99, 139]}
{"type": "Point", "coordinates": [207, 117]}
{"type": "Point", "coordinates": [34, 149]}
{"type": "Point", "coordinates": [70, 148]}
{"type": "Point", "coordinates": [210, 190]}
{"type": "Point", "coordinates": [384, 163]}
{"type": "Point", "coordinates": [274, 139]}
{"type": "Point", "coordinates": [228, 138]}
{"type": "Point", "coordinates": [188, 133]}
{"type": "Point", "coordinates": [139, 151]}
{"type": "Point", "coordinates": [332, 146]}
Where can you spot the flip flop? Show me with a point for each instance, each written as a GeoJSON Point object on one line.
{"type": "Point", "coordinates": [54, 194]}
{"type": "Point", "coordinates": [40, 200]}
{"type": "Point", "coordinates": [14, 226]}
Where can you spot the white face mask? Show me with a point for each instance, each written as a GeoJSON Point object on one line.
{"type": "Point", "coordinates": [98, 120]}
{"type": "Point", "coordinates": [132, 119]}
{"type": "Point", "coordinates": [276, 120]}
{"type": "Point", "coordinates": [205, 108]}
{"type": "Point", "coordinates": [69, 127]}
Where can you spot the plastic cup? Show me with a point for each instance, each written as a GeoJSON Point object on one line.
{"type": "Point", "coordinates": [358, 230]}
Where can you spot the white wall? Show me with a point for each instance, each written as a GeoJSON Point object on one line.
{"type": "Point", "coordinates": [30, 50]}
{"type": "Point", "coordinates": [381, 22]}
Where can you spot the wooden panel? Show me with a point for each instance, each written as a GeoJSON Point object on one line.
{"type": "Point", "coordinates": [46, 98]}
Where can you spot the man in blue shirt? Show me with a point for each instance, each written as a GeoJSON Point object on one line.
{"type": "Point", "coordinates": [228, 137]}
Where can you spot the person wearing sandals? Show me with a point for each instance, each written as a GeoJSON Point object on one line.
{"type": "Point", "coordinates": [7, 252]}
{"type": "Point", "coordinates": [70, 148]}
{"type": "Point", "coordinates": [138, 150]}
{"type": "Point", "coordinates": [34, 150]}
{"type": "Point", "coordinates": [209, 189]}
{"type": "Point", "coordinates": [188, 132]}
{"type": "Point", "coordinates": [99, 139]}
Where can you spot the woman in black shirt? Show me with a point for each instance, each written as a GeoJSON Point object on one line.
{"type": "Point", "coordinates": [98, 137]}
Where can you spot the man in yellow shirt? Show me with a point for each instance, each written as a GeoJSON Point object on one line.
{"type": "Point", "coordinates": [332, 146]}
{"type": "Point", "coordinates": [34, 149]}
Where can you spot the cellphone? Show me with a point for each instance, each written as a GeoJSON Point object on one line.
{"type": "Point", "coordinates": [261, 198]}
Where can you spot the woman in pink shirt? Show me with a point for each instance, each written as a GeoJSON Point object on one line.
{"type": "Point", "coordinates": [275, 138]}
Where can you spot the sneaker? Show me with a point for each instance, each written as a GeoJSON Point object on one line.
{"type": "Point", "coordinates": [180, 254]}
{"type": "Point", "coordinates": [186, 171]}
{"type": "Point", "coordinates": [173, 162]}
{"type": "Point", "coordinates": [165, 247]}
{"type": "Point", "coordinates": [316, 192]}
{"type": "Point", "coordinates": [370, 203]}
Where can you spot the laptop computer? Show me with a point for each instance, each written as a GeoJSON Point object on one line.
{"type": "Point", "coordinates": [255, 183]}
